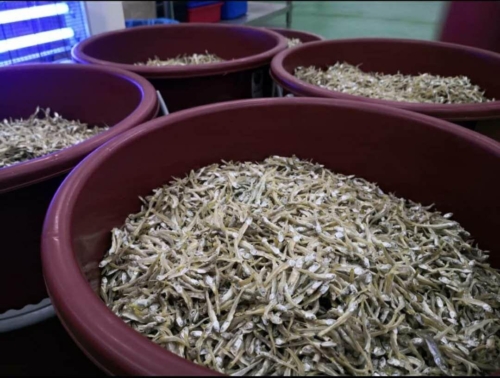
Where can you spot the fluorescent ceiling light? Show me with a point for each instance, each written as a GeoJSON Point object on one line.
{"type": "Point", "coordinates": [27, 58]}
{"type": "Point", "coordinates": [23, 14]}
{"type": "Point", "coordinates": [35, 39]}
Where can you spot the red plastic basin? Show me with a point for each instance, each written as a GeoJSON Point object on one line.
{"type": "Point", "coordinates": [472, 23]}
{"type": "Point", "coordinates": [95, 95]}
{"type": "Point", "coordinates": [393, 55]}
{"type": "Point", "coordinates": [248, 52]}
{"type": "Point", "coordinates": [415, 156]}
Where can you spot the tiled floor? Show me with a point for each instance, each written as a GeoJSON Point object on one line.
{"type": "Point", "coordinates": [351, 19]}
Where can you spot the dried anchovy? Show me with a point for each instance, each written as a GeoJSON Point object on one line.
{"type": "Point", "coordinates": [285, 268]}
{"type": "Point", "coordinates": [183, 60]}
{"type": "Point", "coordinates": [39, 135]}
{"type": "Point", "coordinates": [422, 88]}
{"type": "Point", "coordinates": [292, 42]}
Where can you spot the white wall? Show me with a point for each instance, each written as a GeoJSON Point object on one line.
{"type": "Point", "coordinates": [139, 9]}
{"type": "Point", "coordinates": [104, 16]}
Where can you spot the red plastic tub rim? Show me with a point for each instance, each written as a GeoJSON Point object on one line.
{"type": "Point", "coordinates": [51, 165]}
{"type": "Point", "coordinates": [290, 32]}
{"type": "Point", "coordinates": [229, 66]}
{"type": "Point", "coordinates": [458, 112]}
{"type": "Point", "coordinates": [78, 303]}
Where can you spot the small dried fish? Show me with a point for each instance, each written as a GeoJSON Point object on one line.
{"type": "Point", "coordinates": [283, 267]}
{"type": "Point", "coordinates": [39, 135]}
{"type": "Point", "coordinates": [183, 60]}
{"type": "Point", "coordinates": [292, 42]}
{"type": "Point", "coordinates": [422, 88]}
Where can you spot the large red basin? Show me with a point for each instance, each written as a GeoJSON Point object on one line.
{"type": "Point", "coordinates": [95, 95]}
{"type": "Point", "coordinates": [248, 51]}
{"type": "Point", "coordinates": [389, 56]}
{"type": "Point", "coordinates": [415, 156]}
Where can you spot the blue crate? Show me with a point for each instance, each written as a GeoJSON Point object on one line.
{"type": "Point", "coordinates": [196, 4]}
{"type": "Point", "coordinates": [149, 21]}
{"type": "Point", "coordinates": [233, 9]}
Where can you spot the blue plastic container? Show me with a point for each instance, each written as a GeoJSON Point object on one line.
{"type": "Point", "coordinates": [196, 4]}
{"type": "Point", "coordinates": [233, 9]}
{"type": "Point", "coordinates": [149, 21]}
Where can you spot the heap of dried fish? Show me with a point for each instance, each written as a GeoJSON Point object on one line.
{"type": "Point", "coordinates": [183, 60]}
{"type": "Point", "coordinates": [292, 42]}
{"type": "Point", "coordinates": [41, 134]}
{"type": "Point", "coordinates": [285, 268]}
{"type": "Point", "coordinates": [422, 88]}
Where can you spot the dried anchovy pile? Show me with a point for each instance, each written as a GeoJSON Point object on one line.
{"type": "Point", "coordinates": [183, 60]}
{"type": "Point", "coordinates": [423, 88]}
{"type": "Point", "coordinates": [292, 42]}
{"type": "Point", "coordinates": [285, 268]}
{"type": "Point", "coordinates": [26, 139]}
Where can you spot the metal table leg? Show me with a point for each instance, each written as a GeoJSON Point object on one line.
{"type": "Point", "coordinates": [289, 14]}
{"type": "Point", "coordinates": [168, 9]}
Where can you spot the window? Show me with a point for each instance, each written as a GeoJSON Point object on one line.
{"type": "Point", "coordinates": [40, 31]}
